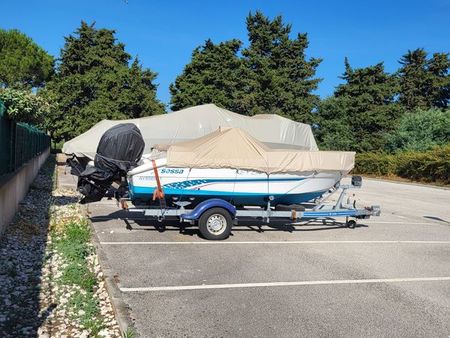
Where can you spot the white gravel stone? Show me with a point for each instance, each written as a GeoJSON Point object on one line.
{"type": "Point", "coordinates": [84, 334]}
{"type": "Point", "coordinates": [30, 263]}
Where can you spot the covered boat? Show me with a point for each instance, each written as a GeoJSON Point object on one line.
{"type": "Point", "coordinates": [198, 121]}
{"type": "Point", "coordinates": [233, 165]}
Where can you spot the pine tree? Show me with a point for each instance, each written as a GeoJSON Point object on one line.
{"type": "Point", "coordinates": [95, 82]}
{"type": "Point", "coordinates": [362, 111]}
{"type": "Point", "coordinates": [214, 75]}
{"type": "Point", "coordinates": [439, 80]}
{"type": "Point", "coordinates": [281, 78]}
{"type": "Point", "coordinates": [413, 79]}
{"type": "Point", "coordinates": [273, 74]}
{"type": "Point", "coordinates": [23, 64]}
{"type": "Point", "coordinates": [424, 83]}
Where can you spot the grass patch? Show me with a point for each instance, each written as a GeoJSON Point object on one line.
{"type": "Point", "coordinates": [80, 275]}
{"type": "Point", "coordinates": [72, 242]}
{"type": "Point", "coordinates": [73, 246]}
{"type": "Point", "coordinates": [129, 333]}
{"type": "Point", "coordinates": [86, 308]}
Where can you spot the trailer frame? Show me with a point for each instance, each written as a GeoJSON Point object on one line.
{"type": "Point", "coordinates": [320, 210]}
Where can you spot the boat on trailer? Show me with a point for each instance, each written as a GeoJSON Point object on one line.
{"type": "Point", "coordinates": [218, 179]}
{"type": "Point", "coordinates": [232, 165]}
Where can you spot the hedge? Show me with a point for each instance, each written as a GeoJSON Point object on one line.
{"type": "Point", "coordinates": [428, 166]}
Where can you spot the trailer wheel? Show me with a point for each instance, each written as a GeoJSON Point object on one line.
{"type": "Point", "coordinates": [351, 224]}
{"type": "Point", "coordinates": [215, 224]}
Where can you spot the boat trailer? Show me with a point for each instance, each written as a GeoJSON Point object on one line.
{"type": "Point", "coordinates": [215, 217]}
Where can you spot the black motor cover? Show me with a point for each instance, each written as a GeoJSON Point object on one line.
{"type": "Point", "coordinates": [119, 150]}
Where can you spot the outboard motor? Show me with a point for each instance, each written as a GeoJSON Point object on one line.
{"type": "Point", "coordinates": [119, 150]}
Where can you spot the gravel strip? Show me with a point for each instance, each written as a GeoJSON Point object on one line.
{"type": "Point", "coordinates": [34, 299]}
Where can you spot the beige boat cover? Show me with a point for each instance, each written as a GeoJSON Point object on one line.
{"type": "Point", "coordinates": [234, 148]}
{"type": "Point", "coordinates": [194, 122]}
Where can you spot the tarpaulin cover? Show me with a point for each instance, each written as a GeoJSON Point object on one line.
{"type": "Point", "coordinates": [120, 148]}
{"type": "Point", "coordinates": [235, 148]}
{"type": "Point", "coordinates": [194, 122]}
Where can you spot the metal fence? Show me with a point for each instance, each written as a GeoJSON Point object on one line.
{"type": "Point", "coordinates": [19, 143]}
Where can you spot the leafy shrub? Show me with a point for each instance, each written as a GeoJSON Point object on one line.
{"type": "Point", "coordinates": [421, 130]}
{"type": "Point", "coordinates": [429, 166]}
{"type": "Point", "coordinates": [25, 106]}
{"type": "Point", "coordinates": [380, 164]}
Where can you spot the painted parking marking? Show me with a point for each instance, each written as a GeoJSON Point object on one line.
{"type": "Point", "coordinates": [271, 242]}
{"type": "Point", "coordinates": [279, 284]}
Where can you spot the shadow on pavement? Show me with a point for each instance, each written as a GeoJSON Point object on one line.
{"type": "Point", "coordinates": [437, 219]}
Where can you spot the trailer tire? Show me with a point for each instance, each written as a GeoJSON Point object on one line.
{"type": "Point", "coordinates": [215, 224]}
{"type": "Point", "coordinates": [351, 224]}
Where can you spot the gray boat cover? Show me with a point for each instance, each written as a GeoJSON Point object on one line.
{"type": "Point", "coordinates": [194, 122]}
{"type": "Point", "coordinates": [235, 148]}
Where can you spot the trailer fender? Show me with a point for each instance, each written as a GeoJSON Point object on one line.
{"type": "Point", "coordinates": [197, 212]}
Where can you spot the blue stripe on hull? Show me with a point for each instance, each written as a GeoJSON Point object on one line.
{"type": "Point", "coordinates": [237, 197]}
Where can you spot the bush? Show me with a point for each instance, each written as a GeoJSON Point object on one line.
{"type": "Point", "coordinates": [420, 131]}
{"type": "Point", "coordinates": [428, 166]}
{"type": "Point", "coordinates": [380, 164]}
{"type": "Point", "coordinates": [25, 106]}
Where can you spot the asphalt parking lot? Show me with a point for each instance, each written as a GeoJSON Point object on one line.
{"type": "Point", "coordinates": [390, 276]}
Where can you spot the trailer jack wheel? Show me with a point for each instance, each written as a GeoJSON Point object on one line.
{"type": "Point", "coordinates": [351, 224]}
{"type": "Point", "coordinates": [215, 224]}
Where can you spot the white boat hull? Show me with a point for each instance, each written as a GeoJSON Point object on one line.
{"type": "Point", "coordinates": [240, 187]}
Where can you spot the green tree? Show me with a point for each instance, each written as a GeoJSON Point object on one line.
{"type": "Point", "coordinates": [424, 83]}
{"type": "Point", "coordinates": [420, 131]}
{"type": "Point", "coordinates": [94, 81]}
{"type": "Point", "coordinates": [439, 82]}
{"type": "Point", "coordinates": [272, 75]}
{"type": "Point", "coordinates": [214, 75]}
{"type": "Point", "coordinates": [281, 78]}
{"type": "Point", "coordinates": [333, 130]}
{"type": "Point", "coordinates": [23, 64]}
{"type": "Point", "coordinates": [362, 110]}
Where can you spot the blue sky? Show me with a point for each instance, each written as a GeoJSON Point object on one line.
{"type": "Point", "coordinates": [164, 33]}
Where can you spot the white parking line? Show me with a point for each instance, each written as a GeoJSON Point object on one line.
{"type": "Point", "coordinates": [399, 222]}
{"type": "Point", "coordinates": [274, 284]}
{"type": "Point", "coordinates": [272, 242]}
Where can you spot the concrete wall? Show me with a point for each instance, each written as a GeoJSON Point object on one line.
{"type": "Point", "coordinates": [14, 189]}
